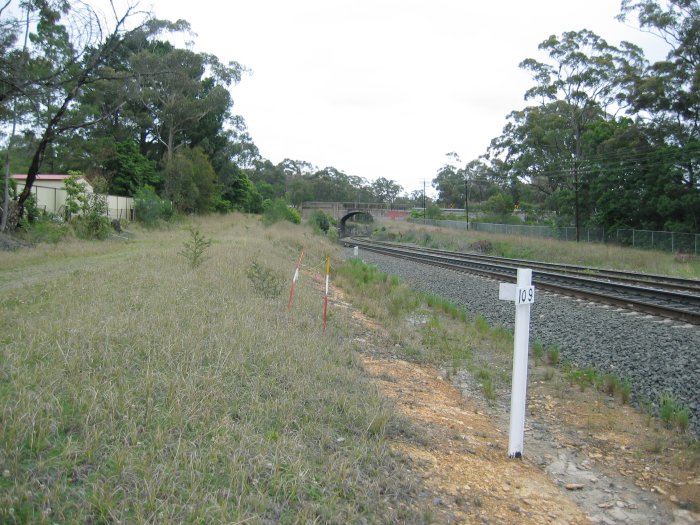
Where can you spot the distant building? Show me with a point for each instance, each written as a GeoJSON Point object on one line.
{"type": "Point", "coordinates": [49, 192]}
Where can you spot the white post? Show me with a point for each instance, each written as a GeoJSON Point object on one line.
{"type": "Point", "coordinates": [356, 252]}
{"type": "Point", "coordinates": [522, 338]}
{"type": "Point", "coordinates": [524, 295]}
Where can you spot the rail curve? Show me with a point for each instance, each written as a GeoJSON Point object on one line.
{"type": "Point", "coordinates": [669, 297]}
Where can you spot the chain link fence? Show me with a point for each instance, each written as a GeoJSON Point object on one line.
{"type": "Point", "coordinates": [657, 240]}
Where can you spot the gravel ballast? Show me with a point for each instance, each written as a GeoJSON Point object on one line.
{"type": "Point", "coordinates": [657, 355]}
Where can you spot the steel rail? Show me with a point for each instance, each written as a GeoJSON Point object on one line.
{"type": "Point", "coordinates": [647, 297]}
{"type": "Point", "coordinates": [691, 286]}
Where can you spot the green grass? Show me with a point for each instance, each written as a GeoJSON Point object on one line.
{"type": "Point", "coordinates": [448, 338]}
{"type": "Point", "coordinates": [607, 383]}
{"type": "Point", "coordinates": [135, 388]}
{"type": "Point", "coordinates": [672, 412]}
{"type": "Point", "coordinates": [553, 355]}
{"type": "Point", "coordinates": [537, 351]}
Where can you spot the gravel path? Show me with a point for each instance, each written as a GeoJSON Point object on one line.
{"type": "Point", "coordinates": [658, 356]}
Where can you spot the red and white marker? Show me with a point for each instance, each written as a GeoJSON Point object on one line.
{"type": "Point", "coordinates": [294, 281]}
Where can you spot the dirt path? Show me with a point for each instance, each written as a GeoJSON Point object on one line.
{"type": "Point", "coordinates": [577, 466]}
{"type": "Point", "coordinates": [461, 456]}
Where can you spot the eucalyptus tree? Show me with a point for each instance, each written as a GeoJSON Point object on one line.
{"type": "Point", "coordinates": [331, 184]}
{"type": "Point", "coordinates": [449, 182]}
{"type": "Point", "coordinates": [69, 45]}
{"type": "Point", "coordinates": [271, 180]}
{"type": "Point", "coordinates": [361, 189]}
{"type": "Point", "coordinates": [184, 93]}
{"type": "Point", "coordinates": [667, 96]}
{"type": "Point", "coordinates": [581, 83]}
{"type": "Point", "coordinates": [190, 182]}
{"type": "Point", "coordinates": [385, 190]}
{"type": "Point", "coordinates": [483, 181]}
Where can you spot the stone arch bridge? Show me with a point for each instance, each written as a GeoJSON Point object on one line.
{"type": "Point", "coordinates": [343, 211]}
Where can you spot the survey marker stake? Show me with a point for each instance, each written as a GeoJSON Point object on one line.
{"type": "Point", "coordinates": [294, 281]}
{"type": "Point", "coordinates": [523, 294]}
{"type": "Point", "coordinates": [325, 297]}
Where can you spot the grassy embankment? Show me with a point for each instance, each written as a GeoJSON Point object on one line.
{"type": "Point", "coordinates": [542, 249]}
{"type": "Point", "coordinates": [134, 388]}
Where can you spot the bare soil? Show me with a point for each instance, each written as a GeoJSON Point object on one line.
{"type": "Point", "coordinates": [587, 459]}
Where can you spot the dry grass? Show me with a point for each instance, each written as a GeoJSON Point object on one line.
{"type": "Point", "coordinates": [542, 249]}
{"type": "Point", "coordinates": [135, 389]}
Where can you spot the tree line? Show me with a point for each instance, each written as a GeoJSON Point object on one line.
{"type": "Point", "coordinates": [608, 139]}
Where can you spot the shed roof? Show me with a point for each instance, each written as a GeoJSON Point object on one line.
{"type": "Point", "coordinates": [44, 176]}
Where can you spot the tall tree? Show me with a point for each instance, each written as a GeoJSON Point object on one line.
{"type": "Point", "coordinates": [583, 74]}
{"type": "Point", "coordinates": [70, 45]}
{"type": "Point", "coordinates": [385, 190]}
{"type": "Point", "coordinates": [185, 94]}
{"type": "Point", "coordinates": [190, 182]}
{"type": "Point", "coordinates": [667, 93]}
{"type": "Point", "coordinates": [127, 170]}
{"type": "Point", "coordinates": [449, 183]}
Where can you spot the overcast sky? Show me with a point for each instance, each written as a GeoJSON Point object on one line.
{"type": "Point", "coordinates": [385, 88]}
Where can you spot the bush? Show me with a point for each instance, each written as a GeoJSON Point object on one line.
{"type": "Point", "coordinates": [193, 250]}
{"type": "Point", "coordinates": [265, 281]}
{"type": "Point", "coordinates": [93, 223]}
{"type": "Point", "coordinates": [150, 209]}
{"type": "Point", "coordinates": [434, 212]}
{"type": "Point", "coordinates": [76, 196]}
{"type": "Point", "coordinates": [278, 210]}
{"type": "Point", "coordinates": [44, 228]}
{"type": "Point", "coordinates": [320, 221]}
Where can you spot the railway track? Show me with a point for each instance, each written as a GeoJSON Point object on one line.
{"type": "Point", "coordinates": [669, 297]}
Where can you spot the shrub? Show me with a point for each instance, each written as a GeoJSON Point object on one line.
{"type": "Point", "coordinates": [76, 196]}
{"type": "Point", "coordinates": [193, 250]}
{"type": "Point", "coordinates": [150, 209]}
{"type": "Point", "coordinates": [265, 281]}
{"type": "Point", "coordinates": [278, 210]}
{"type": "Point", "coordinates": [320, 221]}
{"type": "Point", "coordinates": [93, 223]}
{"type": "Point", "coordinates": [433, 212]}
{"type": "Point", "coordinates": [45, 228]}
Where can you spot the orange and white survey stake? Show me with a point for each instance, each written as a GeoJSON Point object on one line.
{"type": "Point", "coordinates": [294, 281]}
{"type": "Point", "coordinates": [325, 297]}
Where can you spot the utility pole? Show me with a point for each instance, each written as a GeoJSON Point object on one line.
{"type": "Point", "coordinates": [423, 201]}
{"type": "Point", "coordinates": [466, 197]}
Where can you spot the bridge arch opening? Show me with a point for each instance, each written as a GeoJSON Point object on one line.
{"type": "Point", "coordinates": [343, 220]}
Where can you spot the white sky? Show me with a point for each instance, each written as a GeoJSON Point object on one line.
{"type": "Point", "coordinates": [385, 88]}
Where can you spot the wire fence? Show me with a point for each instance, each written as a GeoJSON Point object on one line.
{"type": "Point", "coordinates": [656, 240]}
